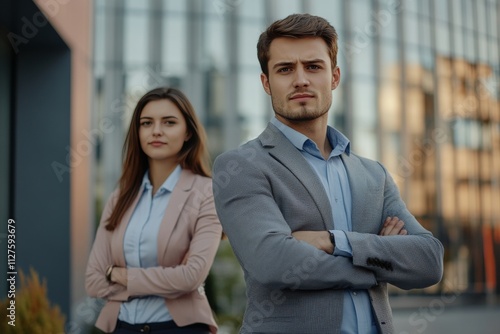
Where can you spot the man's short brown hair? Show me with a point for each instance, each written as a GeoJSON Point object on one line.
{"type": "Point", "coordinates": [297, 26]}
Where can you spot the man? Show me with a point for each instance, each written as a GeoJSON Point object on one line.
{"type": "Point", "coordinates": [318, 230]}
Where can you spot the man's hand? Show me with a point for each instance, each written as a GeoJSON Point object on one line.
{"type": "Point", "coordinates": [318, 239]}
{"type": "Point", "coordinates": [393, 226]}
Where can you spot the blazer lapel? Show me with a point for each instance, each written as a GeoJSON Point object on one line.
{"type": "Point", "coordinates": [359, 185]}
{"type": "Point", "coordinates": [284, 152]}
{"type": "Point", "coordinates": [117, 238]}
{"type": "Point", "coordinates": [175, 206]}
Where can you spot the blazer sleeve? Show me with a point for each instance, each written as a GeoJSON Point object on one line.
{"type": "Point", "coordinates": [188, 276]}
{"type": "Point", "coordinates": [100, 259]}
{"type": "Point", "coordinates": [262, 239]}
{"type": "Point", "coordinates": [408, 261]}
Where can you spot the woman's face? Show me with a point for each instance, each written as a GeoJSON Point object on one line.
{"type": "Point", "coordinates": [162, 130]}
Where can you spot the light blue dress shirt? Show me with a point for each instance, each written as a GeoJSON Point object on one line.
{"type": "Point", "coordinates": [357, 313]}
{"type": "Point", "coordinates": [140, 247]}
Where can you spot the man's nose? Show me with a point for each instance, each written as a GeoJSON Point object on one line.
{"type": "Point", "coordinates": [301, 79]}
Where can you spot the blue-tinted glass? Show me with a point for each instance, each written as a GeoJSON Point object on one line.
{"type": "Point", "coordinates": [411, 32]}
{"type": "Point", "coordinates": [481, 17]}
{"type": "Point", "coordinates": [427, 58]}
{"type": "Point", "coordinates": [361, 18]}
{"type": "Point", "coordinates": [442, 39]}
{"type": "Point", "coordinates": [482, 52]}
{"type": "Point", "coordinates": [99, 39]}
{"type": "Point", "coordinates": [252, 103]}
{"type": "Point", "coordinates": [424, 9]}
{"type": "Point", "coordinates": [175, 39]}
{"type": "Point", "coordinates": [137, 5]}
{"type": "Point", "coordinates": [425, 32]}
{"type": "Point", "coordinates": [492, 29]}
{"type": "Point", "coordinates": [410, 6]}
{"type": "Point", "coordinates": [468, 14]}
{"type": "Point", "coordinates": [458, 43]}
{"type": "Point", "coordinates": [470, 47]}
{"type": "Point", "coordinates": [363, 102]}
{"type": "Point", "coordinates": [330, 10]}
{"type": "Point", "coordinates": [412, 55]}
{"type": "Point", "coordinates": [250, 9]}
{"type": "Point", "coordinates": [389, 61]}
{"type": "Point", "coordinates": [441, 10]}
{"type": "Point", "coordinates": [387, 18]}
{"type": "Point", "coordinates": [284, 8]}
{"type": "Point", "coordinates": [247, 45]}
{"type": "Point", "coordinates": [215, 43]}
{"type": "Point", "coordinates": [493, 56]}
{"type": "Point", "coordinates": [456, 7]}
{"type": "Point", "coordinates": [362, 59]}
{"type": "Point", "coordinates": [175, 6]}
{"type": "Point", "coordinates": [136, 46]}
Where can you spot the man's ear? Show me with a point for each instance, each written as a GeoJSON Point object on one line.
{"type": "Point", "coordinates": [335, 77]}
{"type": "Point", "coordinates": [265, 83]}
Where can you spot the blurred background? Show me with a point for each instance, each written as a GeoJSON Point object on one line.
{"type": "Point", "coordinates": [419, 92]}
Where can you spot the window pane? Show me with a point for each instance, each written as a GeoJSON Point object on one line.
{"type": "Point", "coordinates": [441, 8]}
{"type": "Point", "coordinates": [174, 44]}
{"type": "Point", "coordinates": [135, 29]}
{"type": "Point", "coordinates": [442, 39]}
{"type": "Point", "coordinates": [411, 29]}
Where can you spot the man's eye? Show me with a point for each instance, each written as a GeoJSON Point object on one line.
{"type": "Point", "coordinates": [285, 69]}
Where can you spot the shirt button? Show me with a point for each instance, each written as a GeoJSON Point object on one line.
{"type": "Point", "coordinates": [355, 293]}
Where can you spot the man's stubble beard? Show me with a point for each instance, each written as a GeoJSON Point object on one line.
{"type": "Point", "coordinates": [303, 115]}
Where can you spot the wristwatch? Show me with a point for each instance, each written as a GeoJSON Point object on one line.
{"type": "Point", "coordinates": [332, 238]}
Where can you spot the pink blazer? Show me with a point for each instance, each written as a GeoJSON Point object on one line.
{"type": "Point", "coordinates": [187, 242]}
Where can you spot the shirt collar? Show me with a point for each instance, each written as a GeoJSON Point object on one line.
{"type": "Point", "coordinates": [337, 139]}
{"type": "Point", "coordinates": [168, 184]}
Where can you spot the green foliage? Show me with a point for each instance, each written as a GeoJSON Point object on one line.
{"type": "Point", "coordinates": [228, 287]}
{"type": "Point", "coordinates": [33, 312]}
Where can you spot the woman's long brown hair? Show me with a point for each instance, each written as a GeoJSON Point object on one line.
{"type": "Point", "coordinates": [193, 155]}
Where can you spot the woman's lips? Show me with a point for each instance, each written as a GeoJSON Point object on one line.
{"type": "Point", "coordinates": [157, 143]}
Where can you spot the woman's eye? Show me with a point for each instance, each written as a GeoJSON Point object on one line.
{"type": "Point", "coordinates": [145, 123]}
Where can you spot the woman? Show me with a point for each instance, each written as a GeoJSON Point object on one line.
{"type": "Point", "coordinates": [159, 231]}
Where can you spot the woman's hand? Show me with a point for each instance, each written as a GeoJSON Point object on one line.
{"type": "Point", "coordinates": [119, 275]}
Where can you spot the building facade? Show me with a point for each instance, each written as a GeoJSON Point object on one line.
{"type": "Point", "coordinates": [45, 86]}
{"type": "Point", "coordinates": [419, 92]}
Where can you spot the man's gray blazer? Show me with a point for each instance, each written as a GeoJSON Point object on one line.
{"type": "Point", "coordinates": [265, 190]}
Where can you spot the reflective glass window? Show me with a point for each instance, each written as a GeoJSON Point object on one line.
{"type": "Point", "coordinates": [174, 44]}
{"type": "Point", "coordinates": [135, 45]}
{"type": "Point", "coordinates": [442, 38]}
{"type": "Point", "coordinates": [441, 10]}
{"type": "Point", "coordinates": [389, 60]}
{"type": "Point", "coordinates": [411, 29]}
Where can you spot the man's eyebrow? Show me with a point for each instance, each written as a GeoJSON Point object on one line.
{"type": "Point", "coordinates": [284, 63]}
{"type": "Point", "coordinates": [307, 62]}
{"type": "Point", "coordinates": [314, 61]}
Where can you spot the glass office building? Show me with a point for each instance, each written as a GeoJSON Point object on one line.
{"type": "Point", "coordinates": [419, 92]}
